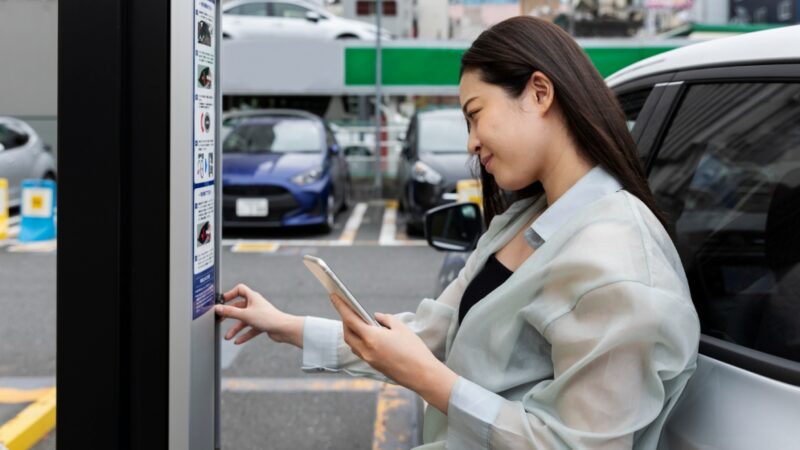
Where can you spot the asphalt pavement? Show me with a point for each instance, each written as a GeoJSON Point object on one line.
{"type": "Point", "coordinates": [267, 401]}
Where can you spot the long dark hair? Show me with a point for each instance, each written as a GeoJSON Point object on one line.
{"type": "Point", "coordinates": [508, 53]}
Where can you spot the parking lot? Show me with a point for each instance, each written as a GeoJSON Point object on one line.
{"type": "Point", "coordinates": [267, 401]}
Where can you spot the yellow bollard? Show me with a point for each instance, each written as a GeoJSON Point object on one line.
{"type": "Point", "coordinates": [3, 208]}
{"type": "Point", "coordinates": [469, 191]}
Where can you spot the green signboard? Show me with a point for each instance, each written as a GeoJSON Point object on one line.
{"type": "Point", "coordinates": [440, 66]}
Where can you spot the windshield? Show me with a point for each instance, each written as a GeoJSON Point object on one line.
{"type": "Point", "coordinates": [443, 134]}
{"type": "Point", "coordinates": [279, 135]}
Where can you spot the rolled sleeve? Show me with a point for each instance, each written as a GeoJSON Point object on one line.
{"type": "Point", "coordinates": [471, 411]}
{"type": "Point", "coordinates": [320, 342]}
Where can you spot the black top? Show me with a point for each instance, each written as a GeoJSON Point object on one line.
{"type": "Point", "coordinates": [493, 274]}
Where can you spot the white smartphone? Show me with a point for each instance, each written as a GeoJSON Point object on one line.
{"type": "Point", "coordinates": [333, 285]}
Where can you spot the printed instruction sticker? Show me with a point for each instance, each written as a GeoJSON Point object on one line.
{"type": "Point", "coordinates": [203, 86]}
{"type": "Point", "coordinates": [204, 229]}
{"type": "Point", "coordinates": [203, 160]}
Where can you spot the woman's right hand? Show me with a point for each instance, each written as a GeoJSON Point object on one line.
{"type": "Point", "coordinates": [261, 316]}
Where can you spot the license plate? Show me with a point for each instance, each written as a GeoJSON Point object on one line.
{"type": "Point", "coordinates": [252, 207]}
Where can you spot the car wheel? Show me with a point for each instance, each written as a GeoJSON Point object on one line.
{"type": "Point", "coordinates": [413, 229]}
{"type": "Point", "coordinates": [347, 201]}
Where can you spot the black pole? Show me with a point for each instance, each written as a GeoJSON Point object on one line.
{"type": "Point", "coordinates": [113, 193]}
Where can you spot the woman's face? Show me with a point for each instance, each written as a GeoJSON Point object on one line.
{"type": "Point", "coordinates": [512, 136]}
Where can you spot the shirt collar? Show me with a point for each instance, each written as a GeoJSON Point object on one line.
{"type": "Point", "coordinates": [597, 183]}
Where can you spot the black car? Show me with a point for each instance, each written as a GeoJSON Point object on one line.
{"type": "Point", "coordinates": [434, 159]}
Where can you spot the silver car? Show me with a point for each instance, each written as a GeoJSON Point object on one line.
{"type": "Point", "coordinates": [23, 155]}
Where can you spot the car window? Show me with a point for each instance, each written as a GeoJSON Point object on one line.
{"type": "Point", "coordinates": [443, 133]}
{"type": "Point", "coordinates": [274, 136]}
{"type": "Point", "coordinates": [12, 138]}
{"type": "Point", "coordinates": [249, 9]}
{"type": "Point", "coordinates": [357, 150]}
{"type": "Point", "coordinates": [288, 11]}
{"type": "Point", "coordinates": [632, 103]}
{"type": "Point", "coordinates": [728, 176]}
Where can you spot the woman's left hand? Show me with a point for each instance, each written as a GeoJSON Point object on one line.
{"type": "Point", "coordinates": [398, 353]}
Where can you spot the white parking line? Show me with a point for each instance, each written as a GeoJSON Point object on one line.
{"type": "Point", "coordinates": [34, 247]}
{"type": "Point", "coordinates": [389, 225]}
{"type": "Point", "coordinates": [281, 242]}
{"type": "Point", "coordinates": [352, 225]}
{"type": "Point", "coordinates": [389, 236]}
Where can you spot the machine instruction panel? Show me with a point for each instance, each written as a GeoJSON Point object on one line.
{"type": "Point", "coordinates": [204, 166]}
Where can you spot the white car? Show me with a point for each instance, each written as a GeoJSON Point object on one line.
{"type": "Point", "coordinates": [290, 18]}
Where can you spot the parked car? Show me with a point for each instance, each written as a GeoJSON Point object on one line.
{"type": "Point", "coordinates": [23, 155]}
{"type": "Point", "coordinates": [718, 129]}
{"type": "Point", "coordinates": [434, 158]}
{"type": "Point", "coordinates": [291, 18]}
{"type": "Point", "coordinates": [282, 168]}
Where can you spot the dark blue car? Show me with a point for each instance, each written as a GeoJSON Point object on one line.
{"type": "Point", "coordinates": [282, 168]}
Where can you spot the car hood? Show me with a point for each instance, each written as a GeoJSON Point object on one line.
{"type": "Point", "coordinates": [451, 166]}
{"type": "Point", "coordinates": [273, 165]}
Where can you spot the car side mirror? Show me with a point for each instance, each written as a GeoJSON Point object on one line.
{"type": "Point", "coordinates": [312, 16]}
{"type": "Point", "coordinates": [334, 149]}
{"type": "Point", "coordinates": [454, 227]}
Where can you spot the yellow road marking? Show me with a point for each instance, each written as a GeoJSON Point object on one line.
{"type": "Point", "coordinates": [31, 425]}
{"type": "Point", "coordinates": [9, 395]}
{"type": "Point", "coordinates": [386, 435]}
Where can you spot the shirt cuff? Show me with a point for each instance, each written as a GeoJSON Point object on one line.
{"type": "Point", "coordinates": [471, 411]}
{"type": "Point", "coordinates": [320, 341]}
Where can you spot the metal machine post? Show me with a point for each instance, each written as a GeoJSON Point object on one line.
{"type": "Point", "coordinates": [138, 266]}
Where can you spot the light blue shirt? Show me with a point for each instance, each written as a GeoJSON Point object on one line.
{"type": "Point", "coordinates": [597, 183]}
{"type": "Point", "coordinates": [588, 344]}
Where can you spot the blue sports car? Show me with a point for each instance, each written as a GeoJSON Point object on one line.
{"type": "Point", "coordinates": [282, 168]}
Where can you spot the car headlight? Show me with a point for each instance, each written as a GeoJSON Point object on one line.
{"type": "Point", "coordinates": [424, 174]}
{"type": "Point", "coordinates": [308, 177]}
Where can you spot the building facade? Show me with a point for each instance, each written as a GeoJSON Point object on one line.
{"type": "Point", "coordinates": [397, 17]}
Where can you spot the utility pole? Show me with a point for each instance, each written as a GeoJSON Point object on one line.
{"type": "Point", "coordinates": [378, 174]}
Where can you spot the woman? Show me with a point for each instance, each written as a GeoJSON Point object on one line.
{"type": "Point", "coordinates": [571, 325]}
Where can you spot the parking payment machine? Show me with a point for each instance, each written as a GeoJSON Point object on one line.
{"type": "Point", "coordinates": [195, 112]}
{"type": "Point", "coordinates": [139, 225]}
